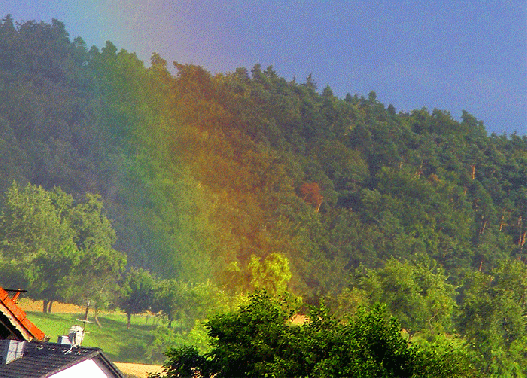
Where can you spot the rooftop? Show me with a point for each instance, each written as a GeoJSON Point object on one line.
{"type": "Point", "coordinates": [40, 360]}
{"type": "Point", "coordinates": [14, 323]}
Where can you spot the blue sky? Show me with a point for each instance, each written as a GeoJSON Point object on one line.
{"type": "Point", "coordinates": [450, 55]}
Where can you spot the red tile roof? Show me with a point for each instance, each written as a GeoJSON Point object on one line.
{"type": "Point", "coordinates": [14, 322]}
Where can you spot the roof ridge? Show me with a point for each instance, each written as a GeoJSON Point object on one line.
{"type": "Point", "coordinates": [22, 327]}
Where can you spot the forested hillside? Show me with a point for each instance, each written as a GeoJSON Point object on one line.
{"type": "Point", "coordinates": [245, 180]}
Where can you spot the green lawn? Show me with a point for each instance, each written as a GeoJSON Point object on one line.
{"type": "Point", "coordinates": [117, 342]}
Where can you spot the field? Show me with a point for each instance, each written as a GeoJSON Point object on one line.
{"type": "Point", "coordinates": [137, 370]}
{"type": "Point", "coordinates": [125, 346]}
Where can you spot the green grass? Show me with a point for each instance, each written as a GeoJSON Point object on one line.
{"type": "Point", "coordinates": [117, 342]}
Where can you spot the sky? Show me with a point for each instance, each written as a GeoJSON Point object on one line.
{"type": "Point", "coordinates": [450, 55]}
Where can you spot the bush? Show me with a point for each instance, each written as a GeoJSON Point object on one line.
{"type": "Point", "coordinates": [258, 340]}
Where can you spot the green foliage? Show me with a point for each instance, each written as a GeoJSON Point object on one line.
{"type": "Point", "coordinates": [184, 363]}
{"type": "Point", "coordinates": [417, 293]}
{"type": "Point", "coordinates": [58, 248]}
{"type": "Point", "coordinates": [242, 180]}
{"type": "Point", "coordinates": [259, 341]}
{"type": "Point", "coordinates": [166, 339]}
{"type": "Point", "coordinates": [50, 274]}
{"type": "Point", "coordinates": [202, 171]}
{"type": "Point", "coordinates": [272, 274]}
{"type": "Point", "coordinates": [33, 220]}
{"type": "Point", "coordinates": [137, 292]}
{"type": "Point", "coordinates": [185, 303]}
{"type": "Point", "coordinates": [184, 310]}
{"type": "Point", "coordinates": [492, 318]}
{"type": "Point", "coordinates": [245, 342]}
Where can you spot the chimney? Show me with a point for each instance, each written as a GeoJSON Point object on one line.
{"type": "Point", "coordinates": [11, 350]}
{"type": "Point", "coordinates": [75, 335]}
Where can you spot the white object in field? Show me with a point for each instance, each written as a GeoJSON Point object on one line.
{"type": "Point", "coordinates": [76, 334]}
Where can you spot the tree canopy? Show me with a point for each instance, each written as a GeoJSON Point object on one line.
{"type": "Point", "coordinates": [259, 340]}
{"type": "Point", "coordinates": [244, 180]}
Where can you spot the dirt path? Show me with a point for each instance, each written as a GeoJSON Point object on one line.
{"type": "Point", "coordinates": [30, 305]}
{"type": "Point", "coordinates": [57, 308]}
{"type": "Point", "coordinates": [138, 370]}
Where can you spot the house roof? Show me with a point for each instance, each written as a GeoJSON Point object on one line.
{"type": "Point", "coordinates": [41, 360]}
{"type": "Point", "coordinates": [23, 355]}
{"type": "Point", "coordinates": [14, 323]}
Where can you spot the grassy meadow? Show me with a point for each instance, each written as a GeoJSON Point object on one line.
{"type": "Point", "coordinates": [117, 342]}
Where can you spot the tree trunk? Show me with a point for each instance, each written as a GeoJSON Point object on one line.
{"type": "Point", "coordinates": [128, 319]}
{"type": "Point", "coordinates": [96, 317]}
{"type": "Point", "coordinates": [50, 303]}
{"type": "Point", "coordinates": [87, 309]}
{"type": "Point", "coordinates": [44, 306]}
{"type": "Point", "coordinates": [521, 242]}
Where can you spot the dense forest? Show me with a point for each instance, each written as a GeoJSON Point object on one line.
{"type": "Point", "coordinates": [119, 177]}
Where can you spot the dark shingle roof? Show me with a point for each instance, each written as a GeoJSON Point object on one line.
{"type": "Point", "coordinates": [42, 360]}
